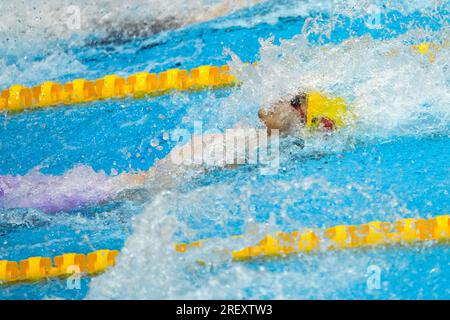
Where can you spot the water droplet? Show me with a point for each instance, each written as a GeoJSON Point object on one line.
{"type": "Point", "coordinates": [154, 143]}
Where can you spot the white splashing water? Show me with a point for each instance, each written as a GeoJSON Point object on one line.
{"type": "Point", "coordinates": [77, 187]}
{"type": "Point", "coordinates": [391, 88]}
{"type": "Point", "coordinates": [37, 20]}
{"type": "Point", "coordinates": [149, 268]}
{"type": "Point", "coordinates": [46, 29]}
{"type": "Point", "coordinates": [393, 92]}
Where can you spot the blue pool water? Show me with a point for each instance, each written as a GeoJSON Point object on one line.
{"type": "Point", "coordinates": [393, 163]}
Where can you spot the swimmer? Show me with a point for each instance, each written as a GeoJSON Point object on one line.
{"type": "Point", "coordinates": [313, 111]}
{"type": "Point", "coordinates": [80, 186]}
{"type": "Point", "coordinates": [116, 32]}
{"type": "Point", "coordinates": [288, 115]}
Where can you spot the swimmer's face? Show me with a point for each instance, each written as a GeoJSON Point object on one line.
{"type": "Point", "coordinates": [283, 115]}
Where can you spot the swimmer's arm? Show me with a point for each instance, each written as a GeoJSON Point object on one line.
{"type": "Point", "coordinates": [160, 170]}
{"type": "Point", "coordinates": [133, 180]}
{"type": "Point", "coordinates": [174, 165]}
{"type": "Point", "coordinates": [221, 9]}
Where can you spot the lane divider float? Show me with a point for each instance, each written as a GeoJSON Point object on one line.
{"type": "Point", "coordinates": [376, 233]}
{"type": "Point", "coordinates": [372, 234]}
{"type": "Point", "coordinates": [19, 98]}
{"type": "Point", "coordinates": [36, 269]}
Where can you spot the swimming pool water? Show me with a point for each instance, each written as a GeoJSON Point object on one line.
{"type": "Point", "coordinates": [400, 169]}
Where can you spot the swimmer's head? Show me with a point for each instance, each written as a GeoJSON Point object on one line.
{"type": "Point", "coordinates": [285, 115]}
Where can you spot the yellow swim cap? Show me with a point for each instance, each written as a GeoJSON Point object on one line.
{"type": "Point", "coordinates": [322, 107]}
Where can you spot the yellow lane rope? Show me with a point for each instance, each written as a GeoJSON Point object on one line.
{"type": "Point", "coordinates": [19, 98]}
{"type": "Point", "coordinates": [429, 49]}
{"type": "Point", "coordinates": [40, 268]}
{"type": "Point", "coordinates": [375, 233]}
